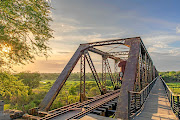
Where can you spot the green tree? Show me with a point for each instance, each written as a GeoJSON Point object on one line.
{"type": "Point", "coordinates": [12, 89]}
{"type": "Point", "coordinates": [72, 90]}
{"type": "Point", "coordinates": [94, 91]}
{"type": "Point", "coordinates": [24, 31]}
{"type": "Point", "coordinates": [30, 79]}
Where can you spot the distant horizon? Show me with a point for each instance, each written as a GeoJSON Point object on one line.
{"type": "Point", "coordinates": [79, 72]}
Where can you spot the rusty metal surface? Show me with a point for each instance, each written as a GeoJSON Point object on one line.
{"type": "Point", "coordinates": [104, 73]}
{"type": "Point", "coordinates": [114, 83]}
{"type": "Point", "coordinates": [119, 53]}
{"type": "Point", "coordinates": [103, 53]}
{"type": "Point", "coordinates": [111, 42]}
{"type": "Point", "coordinates": [128, 79]}
{"type": "Point", "coordinates": [139, 71]}
{"type": "Point", "coordinates": [82, 77]}
{"type": "Point", "coordinates": [53, 92]}
{"type": "Point", "coordinates": [93, 70]}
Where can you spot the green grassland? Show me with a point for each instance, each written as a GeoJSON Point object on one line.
{"type": "Point", "coordinates": [36, 85]}
{"type": "Point", "coordinates": [70, 91]}
{"type": "Point", "coordinates": [175, 87]}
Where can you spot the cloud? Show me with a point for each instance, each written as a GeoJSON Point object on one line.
{"type": "Point", "coordinates": [151, 49]}
{"type": "Point", "coordinates": [163, 50]}
{"type": "Point", "coordinates": [160, 54]}
{"type": "Point", "coordinates": [178, 29]}
{"type": "Point", "coordinates": [160, 42]}
{"type": "Point", "coordinates": [175, 52]}
{"type": "Point", "coordinates": [76, 39]}
{"type": "Point", "coordinates": [64, 52]}
{"type": "Point", "coordinates": [77, 22]}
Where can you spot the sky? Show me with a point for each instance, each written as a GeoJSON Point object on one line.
{"type": "Point", "coordinates": [82, 21]}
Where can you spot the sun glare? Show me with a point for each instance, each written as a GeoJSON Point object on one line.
{"type": "Point", "coordinates": [6, 49]}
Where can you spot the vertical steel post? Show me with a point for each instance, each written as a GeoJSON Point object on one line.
{"type": "Point", "coordinates": [178, 106]}
{"type": "Point", "coordinates": [139, 71]}
{"type": "Point", "coordinates": [104, 73]}
{"type": "Point", "coordinates": [128, 78]}
{"type": "Point", "coordinates": [82, 78]}
{"type": "Point", "coordinates": [116, 76]}
{"type": "Point", "coordinates": [110, 74]}
{"type": "Point", "coordinates": [129, 105]}
{"type": "Point", "coordinates": [146, 82]}
{"type": "Point", "coordinates": [135, 99]}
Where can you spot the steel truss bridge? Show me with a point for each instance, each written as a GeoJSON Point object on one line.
{"type": "Point", "coordinates": [128, 98]}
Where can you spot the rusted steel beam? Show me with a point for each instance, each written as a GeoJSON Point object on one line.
{"type": "Point", "coordinates": [129, 78]}
{"type": "Point", "coordinates": [111, 75]}
{"type": "Point", "coordinates": [93, 70]}
{"type": "Point", "coordinates": [116, 73]}
{"type": "Point", "coordinates": [119, 53]}
{"type": "Point", "coordinates": [110, 42]}
{"type": "Point", "coordinates": [144, 48]}
{"type": "Point", "coordinates": [53, 92]}
{"type": "Point", "coordinates": [82, 77]}
{"type": "Point", "coordinates": [104, 73]}
{"type": "Point", "coordinates": [103, 53]}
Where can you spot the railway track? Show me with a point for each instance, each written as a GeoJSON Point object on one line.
{"type": "Point", "coordinates": [78, 107]}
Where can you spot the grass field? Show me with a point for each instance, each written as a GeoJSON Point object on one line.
{"type": "Point", "coordinates": [175, 87]}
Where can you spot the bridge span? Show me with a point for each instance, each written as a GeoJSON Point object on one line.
{"type": "Point", "coordinates": [138, 91]}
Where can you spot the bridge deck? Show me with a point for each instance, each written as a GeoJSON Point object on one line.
{"type": "Point", "coordinates": [157, 106]}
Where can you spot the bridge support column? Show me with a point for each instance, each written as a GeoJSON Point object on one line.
{"type": "Point", "coordinates": [128, 79]}
{"type": "Point", "coordinates": [116, 76]}
{"type": "Point", "coordinates": [82, 78]}
{"type": "Point", "coordinates": [104, 58]}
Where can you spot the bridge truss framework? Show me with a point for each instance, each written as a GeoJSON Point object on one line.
{"type": "Point", "coordinates": [139, 71]}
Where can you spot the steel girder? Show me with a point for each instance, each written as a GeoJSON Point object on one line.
{"type": "Point", "coordinates": [129, 78]}
{"type": "Point", "coordinates": [93, 70]}
{"type": "Point", "coordinates": [82, 77]}
{"type": "Point", "coordinates": [138, 73]}
{"type": "Point", "coordinates": [114, 83]}
{"type": "Point", "coordinates": [103, 53]}
{"type": "Point", "coordinates": [119, 53]}
{"type": "Point", "coordinates": [104, 58]}
{"type": "Point", "coordinates": [116, 73]}
{"type": "Point", "coordinates": [53, 92]}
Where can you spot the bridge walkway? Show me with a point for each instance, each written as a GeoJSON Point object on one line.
{"type": "Point", "coordinates": [157, 106]}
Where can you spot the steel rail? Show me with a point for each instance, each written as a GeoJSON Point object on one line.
{"type": "Point", "coordinates": [83, 113]}
{"type": "Point", "coordinates": [64, 107]}
{"type": "Point", "coordinates": [61, 111]}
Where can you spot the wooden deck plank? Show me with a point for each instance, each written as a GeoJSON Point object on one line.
{"type": "Point", "coordinates": [96, 117]}
{"type": "Point", "coordinates": [157, 106]}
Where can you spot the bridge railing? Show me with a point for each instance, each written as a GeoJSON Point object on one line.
{"type": "Point", "coordinates": [136, 99]}
{"type": "Point", "coordinates": [173, 99]}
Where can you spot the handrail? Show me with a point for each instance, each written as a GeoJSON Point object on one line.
{"type": "Point", "coordinates": [136, 100]}
{"type": "Point", "coordinates": [173, 99]}
{"type": "Point", "coordinates": [145, 87]}
{"type": "Point", "coordinates": [166, 85]}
